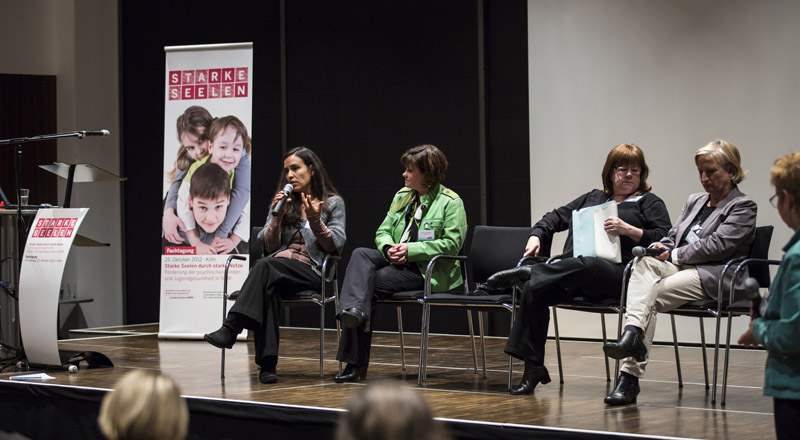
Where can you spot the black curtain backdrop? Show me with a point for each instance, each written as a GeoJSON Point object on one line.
{"type": "Point", "coordinates": [364, 81]}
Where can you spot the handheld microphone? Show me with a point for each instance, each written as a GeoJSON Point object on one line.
{"type": "Point", "coordinates": [287, 189]}
{"type": "Point", "coordinates": [641, 251]}
{"type": "Point", "coordinates": [94, 133]}
{"type": "Point", "coordinates": [751, 289]}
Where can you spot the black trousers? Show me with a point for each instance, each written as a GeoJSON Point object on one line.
{"type": "Point", "coordinates": [370, 276]}
{"type": "Point", "coordinates": [260, 301]}
{"type": "Point", "coordinates": [552, 284]}
{"type": "Point", "coordinates": [787, 418]}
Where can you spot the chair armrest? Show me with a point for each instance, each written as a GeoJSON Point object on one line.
{"type": "Point", "coordinates": [256, 246]}
{"type": "Point", "coordinates": [429, 269]}
{"type": "Point", "coordinates": [533, 260]}
{"type": "Point", "coordinates": [743, 262]}
{"type": "Point", "coordinates": [326, 265]}
{"type": "Point", "coordinates": [555, 258]}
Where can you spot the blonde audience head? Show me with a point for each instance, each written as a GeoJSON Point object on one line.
{"type": "Point", "coordinates": [144, 405]}
{"type": "Point", "coordinates": [386, 411]}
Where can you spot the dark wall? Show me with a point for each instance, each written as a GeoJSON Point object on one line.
{"type": "Point", "coordinates": [364, 82]}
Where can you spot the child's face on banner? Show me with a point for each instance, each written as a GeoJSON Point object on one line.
{"type": "Point", "coordinates": [195, 147]}
{"type": "Point", "coordinates": [209, 213]}
{"type": "Point", "coordinates": [226, 149]}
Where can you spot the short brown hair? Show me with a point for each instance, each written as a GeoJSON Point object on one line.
{"type": "Point", "coordinates": [726, 155]}
{"type": "Point", "coordinates": [193, 117]}
{"type": "Point", "coordinates": [219, 125]}
{"type": "Point", "coordinates": [144, 404]}
{"type": "Point", "coordinates": [621, 155]}
{"type": "Point", "coordinates": [429, 160]}
{"type": "Point", "coordinates": [210, 181]}
{"type": "Point", "coordinates": [785, 174]}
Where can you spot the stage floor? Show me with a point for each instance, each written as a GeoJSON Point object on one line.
{"type": "Point", "coordinates": [453, 390]}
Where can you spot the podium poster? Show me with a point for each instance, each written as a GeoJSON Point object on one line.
{"type": "Point", "coordinates": [46, 250]}
{"type": "Point", "coordinates": [206, 182]}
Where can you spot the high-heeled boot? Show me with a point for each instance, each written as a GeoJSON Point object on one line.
{"type": "Point", "coordinates": [225, 336]}
{"type": "Point", "coordinates": [351, 373]}
{"type": "Point", "coordinates": [533, 375]}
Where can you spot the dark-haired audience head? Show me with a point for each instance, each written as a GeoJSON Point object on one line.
{"type": "Point", "coordinates": [625, 157]}
{"type": "Point", "coordinates": [429, 160]}
{"type": "Point", "coordinates": [386, 411]}
{"type": "Point", "coordinates": [144, 405]}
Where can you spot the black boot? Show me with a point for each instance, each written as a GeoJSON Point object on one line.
{"type": "Point", "coordinates": [510, 277]}
{"type": "Point", "coordinates": [625, 392]}
{"type": "Point", "coordinates": [268, 370]}
{"type": "Point", "coordinates": [351, 373]}
{"type": "Point", "coordinates": [630, 344]}
{"type": "Point", "coordinates": [533, 375]}
{"type": "Point", "coordinates": [353, 317]}
{"type": "Point", "coordinates": [222, 338]}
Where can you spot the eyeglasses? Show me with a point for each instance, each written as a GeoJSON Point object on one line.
{"type": "Point", "coordinates": [774, 201]}
{"type": "Point", "coordinates": [625, 170]}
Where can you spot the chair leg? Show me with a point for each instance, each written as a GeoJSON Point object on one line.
{"type": "Point", "coordinates": [402, 342]}
{"type": "Point", "coordinates": [472, 340]}
{"type": "Point", "coordinates": [677, 355]}
{"type": "Point", "coordinates": [605, 340]}
{"type": "Point", "coordinates": [222, 365]}
{"type": "Point", "coordinates": [423, 346]}
{"type": "Point", "coordinates": [483, 342]}
{"type": "Point", "coordinates": [725, 364]}
{"type": "Point", "coordinates": [321, 337]}
{"type": "Point", "coordinates": [703, 347]}
{"type": "Point", "coordinates": [558, 346]}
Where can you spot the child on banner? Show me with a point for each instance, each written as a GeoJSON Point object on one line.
{"type": "Point", "coordinates": [229, 143]}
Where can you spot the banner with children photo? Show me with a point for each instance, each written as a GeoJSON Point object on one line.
{"type": "Point", "coordinates": [206, 187]}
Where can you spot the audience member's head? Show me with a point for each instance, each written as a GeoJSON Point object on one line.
{"type": "Point", "coordinates": [386, 411]}
{"type": "Point", "coordinates": [727, 156]}
{"type": "Point", "coordinates": [144, 405]}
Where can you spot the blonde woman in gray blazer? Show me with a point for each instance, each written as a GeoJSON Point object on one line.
{"type": "Point", "coordinates": [713, 227]}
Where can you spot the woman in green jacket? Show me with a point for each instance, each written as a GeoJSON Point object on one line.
{"type": "Point", "coordinates": [779, 328]}
{"type": "Point", "coordinates": [425, 219]}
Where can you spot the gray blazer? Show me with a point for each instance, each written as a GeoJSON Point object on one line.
{"type": "Point", "coordinates": [333, 218]}
{"type": "Point", "coordinates": [727, 233]}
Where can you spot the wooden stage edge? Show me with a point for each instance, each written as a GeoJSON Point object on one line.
{"type": "Point", "coordinates": [301, 404]}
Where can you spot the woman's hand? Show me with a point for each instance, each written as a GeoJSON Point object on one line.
{"type": "Point", "coordinates": [171, 224]}
{"type": "Point", "coordinates": [398, 253]}
{"type": "Point", "coordinates": [662, 256]}
{"type": "Point", "coordinates": [747, 339]}
{"type": "Point", "coordinates": [532, 247]}
{"type": "Point", "coordinates": [277, 198]}
{"type": "Point", "coordinates": [616, 226]}
{"type": "Point", "coordinates": [311, 206]}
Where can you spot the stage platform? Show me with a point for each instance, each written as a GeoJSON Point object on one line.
{"type": "Point", "coordinates": [301, 405]}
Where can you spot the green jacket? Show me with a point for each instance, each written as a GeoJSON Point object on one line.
{"type": "Point", "coordinates": [779, 328]}
{"type": "Point", "coordinates": [443, 212]}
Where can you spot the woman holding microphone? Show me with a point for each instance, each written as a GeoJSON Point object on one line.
{"type": "Point", "coordinates": [309, 224]}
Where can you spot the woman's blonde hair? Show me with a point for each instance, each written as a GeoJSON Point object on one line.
{"type": "Point", "coordinates": [386, 411]}
{"type": "Point", "coordinates": [145, 404]}
{"type": "Point", "coordinates": [785, 174]}
{"type": "Point", "coordinates": [725, 154]}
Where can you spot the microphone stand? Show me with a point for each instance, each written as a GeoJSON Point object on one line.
{"type": "Point", "coordinates": [18, 143]}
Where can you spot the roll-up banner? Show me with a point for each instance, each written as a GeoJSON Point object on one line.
{"type": "Point", "coordinates": [206, 195]}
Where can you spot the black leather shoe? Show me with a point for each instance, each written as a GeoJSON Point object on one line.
{"type": "Point", "coordinates": [510, 277]}
{"type": "Point", "coordinates": [267, 376]}
{"type": "Point", "coordinates": [534, 374]}
{"type": "Point", "coordinates": [630, 344]}
{"type": "Point", "coordinates": [351, 373]}
{"type": "Point", "coordinates": [352, 318]}
{"type": "Point", "coordinates": [222, 338]}
{"type": "Point", "coordinates": [625, 392]}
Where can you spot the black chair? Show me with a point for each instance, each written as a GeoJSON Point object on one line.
{"type": "Point", "coordinates": [493, 249]}
{"type": "Point", "coordinates": [319, 297]}
{"type": "Point", "coordinates": [717, 308]}
{"type": "Point", "coordinates": [581, 303]}
{"type": "Point", "coordinates": [758, 269]}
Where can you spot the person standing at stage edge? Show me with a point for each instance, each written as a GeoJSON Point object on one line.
{"type": "Point", "coordinates": [309, 224]}
{"type": "Point", "coordinates": [778, 330]}
{"type": "Point", "coordinates": [425, 219]}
